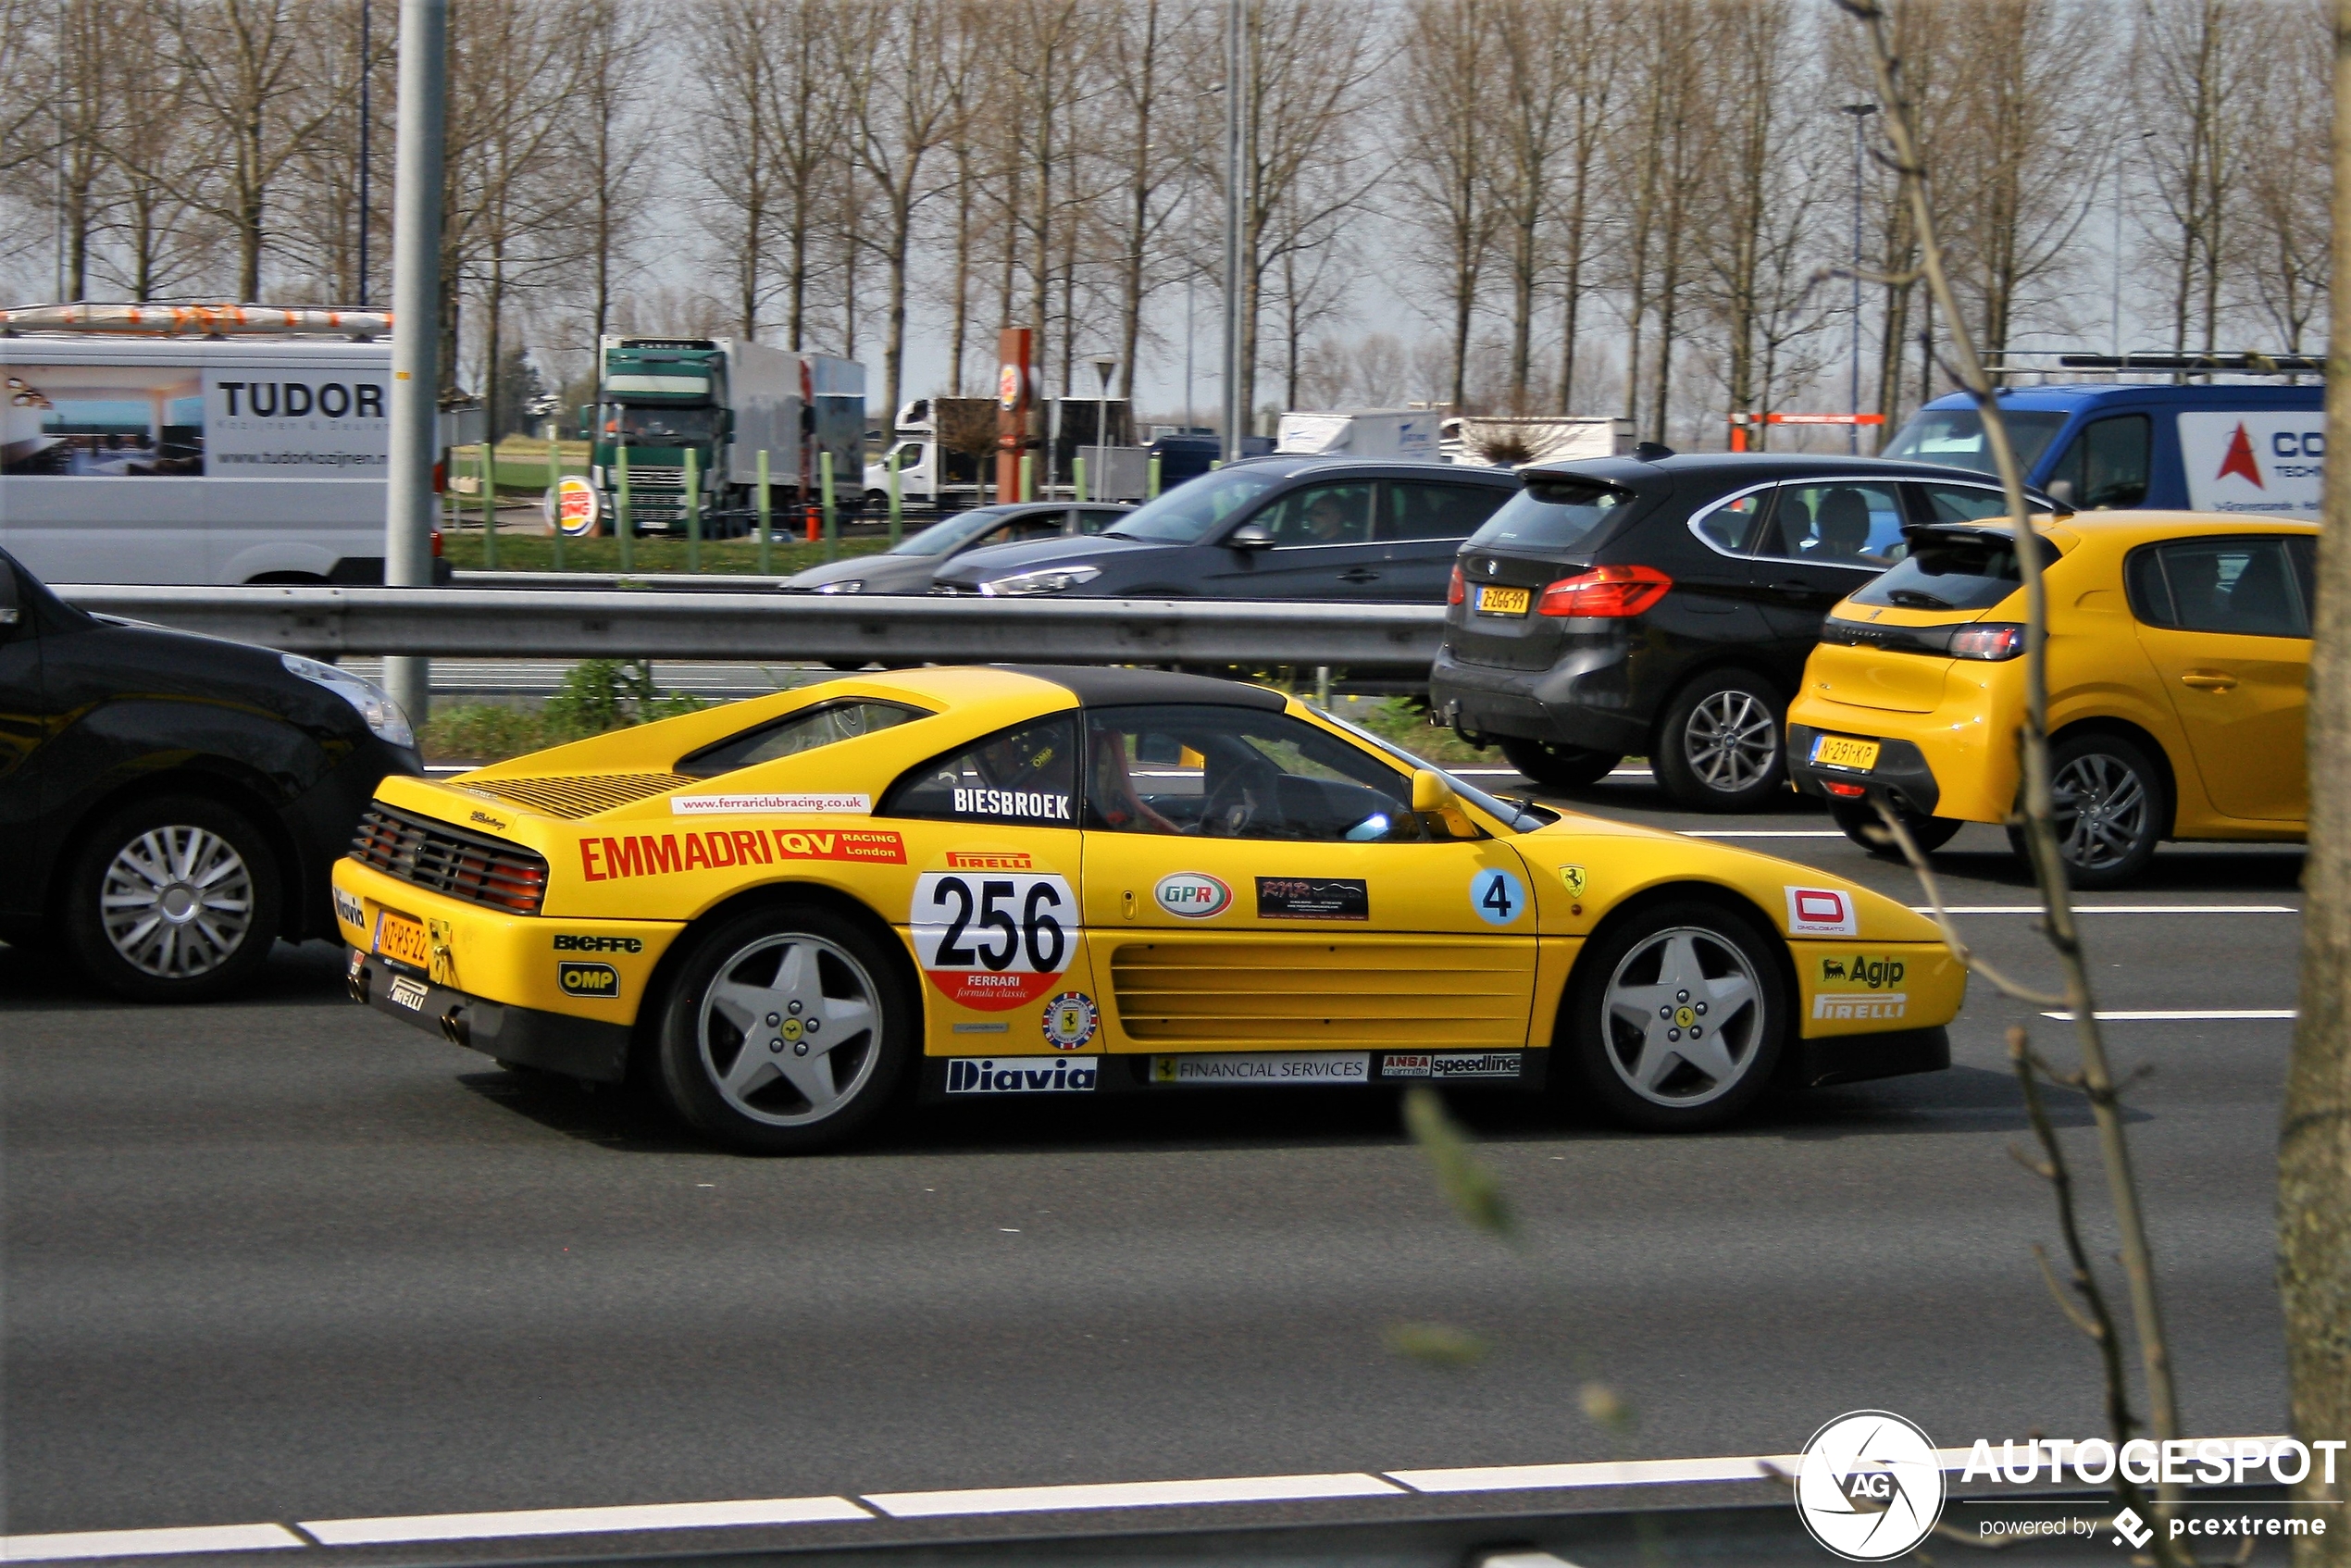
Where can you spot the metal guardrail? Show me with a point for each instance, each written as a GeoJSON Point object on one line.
{"type": "Point", "coordinates": [640, 582]}
{"type": "Point", "coordinates": [509, 623]}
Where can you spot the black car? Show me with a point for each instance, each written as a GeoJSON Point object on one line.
{"type": "Point", "coordinates": [1665, 607]}
{"type": "Point", "coordinates": [1264, 527]}
{"type": "Point", "coordinates": [908, 566]}
{"type": "Point", "coordinates": [170, 804]}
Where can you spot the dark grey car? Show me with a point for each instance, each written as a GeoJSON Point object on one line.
{"type": "Point", "coordinates": [907, 567]}
{"type": "Point", "coordinates": [1266, 527]}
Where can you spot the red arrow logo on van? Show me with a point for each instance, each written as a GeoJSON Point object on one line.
{"type": "Point", "coordinates": [2239, 459]}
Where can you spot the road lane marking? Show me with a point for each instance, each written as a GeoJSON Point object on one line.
{"type": "Point", "coordinates": [1759, 832]}
{"type": "Point", "coordinates": [175, 1542]}
{"type": "Point", "coordinates": [1130, 1494]}
{"type": "Point", "coordinates": [2179, 1015]}
{"type": "Point", "coordinates": [2114, 909]}
{"type": "Point", "coordinates": [582, 1520]}
{"type": "Point", "coordinates": [1604, 1473]}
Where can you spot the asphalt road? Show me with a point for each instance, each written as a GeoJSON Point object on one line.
{"type": "Point", "coordinates": [284, 1260]}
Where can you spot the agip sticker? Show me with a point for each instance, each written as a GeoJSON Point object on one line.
{"type": "Point", "coordinates": [992, 942]}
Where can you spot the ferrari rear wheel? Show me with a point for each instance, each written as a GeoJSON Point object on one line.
{"type": "Point", "coordinates": [1677, 1016]}
{"type": "Point", "coordinates": [786, 1032]}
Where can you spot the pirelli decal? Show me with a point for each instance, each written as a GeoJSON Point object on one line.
{"type": "Point", "coordinates": [659, 854]}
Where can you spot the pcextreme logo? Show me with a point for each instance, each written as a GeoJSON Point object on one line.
{"type": "Point", "coordinates": [1870, 1486]}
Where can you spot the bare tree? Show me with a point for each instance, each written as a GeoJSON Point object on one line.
{"type": "Point", "coordinates": [2192, 57]}
{"type": "Point", "coordinates": [610, 143]}
{"type": "Point", "coordinates": [2283, 254]}
{"type": "Point", "coordinates": [1449, 59]}
{"type": "Point", "coordinates": [157, 240]}
{"type": "Point", "coordinates": [1151, 51]}
{"type": "Point", "coordinates": [736, 52]}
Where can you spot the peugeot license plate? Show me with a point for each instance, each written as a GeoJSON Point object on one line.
{"type": "Point", "coordinates": [1843, 751]}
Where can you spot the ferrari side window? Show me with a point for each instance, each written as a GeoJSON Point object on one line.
{"type": "Point", "coordinates": [794, 733]}
{"type": "Point", "coordinates": [1237, 773]}
{"type": "Point", "coordinates": [1025, 777]}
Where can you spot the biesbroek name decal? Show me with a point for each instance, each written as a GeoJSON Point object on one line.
{"type": "Point", "coordinates": [992, 942]}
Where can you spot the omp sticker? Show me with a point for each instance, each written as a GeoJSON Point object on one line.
{"type": "Point", "coordinates": [989, 860]}
{"type": "Point", "coordinates": [1070, 1021]}
{"type": "Point", "coordinates": [1194, 895]}
{"type": "Point", "coordinates": [408, 993]}
{"type": "Point", "coordinates": [1575, 879]}
{"type": "Point", "coordinates": [1820, 912]}
{"type": "Point", "coordinates": [1843, 1006]}
{"type": "Point", "coordinates": [599, 982]}
{"type": "Point", "coordinates": [349, 909]}
{"type": "Point", "coordinates": [1021, 1074]}
{"type": "Point", "coordinates": [1265, 1067]}
{"type": "Point", "coordinates": [1311, 898]}
{"type": "Point", "coordinates": [992, 943]}
{"type": "Point", "coordinates": [1499, 897]}
{"type": "Point", "coordinates": [777, 805]}
{"type": "Point", "coordinates": [1874, 971]}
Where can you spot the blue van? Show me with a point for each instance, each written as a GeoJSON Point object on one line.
{"type": "Point", "coordinates": [2253, 449]}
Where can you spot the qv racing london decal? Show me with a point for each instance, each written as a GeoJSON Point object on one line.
{"type": "Point", "coordinates": [992, 939]}
{"type": "Point", "coordinates": [1194, 895]}
{"type": "Point", "coordinates": [1499, 897]}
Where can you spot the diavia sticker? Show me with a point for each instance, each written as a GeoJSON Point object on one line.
{"type": "Point", "coordinates": [1499, 897]}
{"type": "Point", "coordinates": [1821, 912]}
{"type": "Point", "coordinates": [1071, 1019]}
{"type": "Point", "coordinates": [1194, 895]}
{"type": "Point", "coordinates": [992, 941]}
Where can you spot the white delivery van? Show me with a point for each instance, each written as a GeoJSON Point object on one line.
{"type": "Point", "coordinates": [1361, 432]}
{"type": "Point", "coordinates": [147, 458]}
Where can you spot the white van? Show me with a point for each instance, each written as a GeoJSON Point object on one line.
{"type": "Point", "coordinates": [195, 460]}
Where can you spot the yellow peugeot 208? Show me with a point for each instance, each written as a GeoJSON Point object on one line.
{"type": "Point", "coordinates": [2179, 652]}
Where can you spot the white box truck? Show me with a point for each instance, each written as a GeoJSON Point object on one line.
{"type": "Point", "coordinates": [1507, 440]}
{"type": "Point", "coordinates": [1361, 432]}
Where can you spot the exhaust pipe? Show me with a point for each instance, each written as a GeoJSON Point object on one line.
{"type": "Point", "coordinates": [454, 1028]}
{"type": "Point", "coordinates": [355, 980]}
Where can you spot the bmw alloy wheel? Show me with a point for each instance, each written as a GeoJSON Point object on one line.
{"type": "Point", "coordinates": [2100, 808]}
{"type": "Point", "coordinates": [177, 901]}
{"type": "Point", "coordinates": [1732, 740]}
{"type": "Point", "coordinates": [1683, 1017]}
{"type": "Point", "coordinates": [790, 1029]}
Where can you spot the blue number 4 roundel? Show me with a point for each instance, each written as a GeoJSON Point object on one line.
{"type": "Point", "coordinates": [1498, 897]}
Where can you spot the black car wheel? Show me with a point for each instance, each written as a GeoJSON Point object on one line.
{"type": "Point", "coordinates": [2111, 810]}
{"type": "Point", "coordinates": [786, 1031]}
{"type": "Point", "coordinates": [1559, 768]}
{"type": "Point", "coordinates": [1861, 823]}
{"type": "Point", "coordinates": [1720, 747]}
{"type": "Point", "coordinates": [174, 899]}
{"type": "Point", "coordinates": [1676, 1017]}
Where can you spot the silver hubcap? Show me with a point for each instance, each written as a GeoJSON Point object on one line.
{"type": "Point", "coordinates": [177, 902]}
{"type": "Point", "coordinates": [1731, 741]}
{"type": "Point", "coordinates": [1683, 1017]}
{"type": "Point", "coordinates": [2100, 811]}
{"type": "Point", "coordinates": [790, 1029]}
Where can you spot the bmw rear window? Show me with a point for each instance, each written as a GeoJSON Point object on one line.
{"type": "Point", "coordinates": [1553, 513]}
{"type": "Point", "coordinates": [1948, 569]}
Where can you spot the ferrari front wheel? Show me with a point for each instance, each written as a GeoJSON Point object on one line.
{"type": "Point", "coordinates": [786, 1032]}
{"type": "Point", "coordinates": [1677, 1015]}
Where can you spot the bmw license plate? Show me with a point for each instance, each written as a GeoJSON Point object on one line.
{"type": "Point", "coordinates": [1493, 600]}
{"type": "Point", "coordinates": [1843, 751]}
{"type": "Point", "coordinates": [403, 939]}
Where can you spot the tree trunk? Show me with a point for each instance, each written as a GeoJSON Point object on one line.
{"type": "Point", "coordinates": [2314, 1145]}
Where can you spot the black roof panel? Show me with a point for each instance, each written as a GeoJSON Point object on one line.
{"type": "Point", "coordinates": [1096, 686]}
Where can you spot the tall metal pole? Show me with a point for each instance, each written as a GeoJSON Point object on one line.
{"type": "Point", "coordinates": [415, 338]}
{"type": "Point", "coordinates": [1236, 52]}
{"type": "Point", "coordinates": [1853, 431]}
{"type": "Point", "coordinates": [367, 61]}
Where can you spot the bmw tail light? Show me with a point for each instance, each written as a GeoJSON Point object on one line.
{"type": "Point", "coordinates": [1993, 642]}
{"type": "Point", "coordinates": [1606, 591]}
{"type": "Point", "coordinates": [1459, 590]}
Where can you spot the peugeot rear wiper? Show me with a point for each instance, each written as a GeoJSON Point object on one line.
{"type": "Point", "coordinates": [1911, 599]}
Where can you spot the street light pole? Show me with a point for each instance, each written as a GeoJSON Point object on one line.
{"type": "Point", "coordinates": [1103, 365]}
{"type": "Point", "coordinates": [416, 337]}
{"type": "Point", "coordinates": [1853, 432]}
{"type": "Point", "coordinates": [367, 60]}
{"type": "Point", "coordinates": [1236, 61]}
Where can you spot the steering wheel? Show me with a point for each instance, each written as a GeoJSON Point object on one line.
{"type": "Point", "coordinates": [1236, 804]}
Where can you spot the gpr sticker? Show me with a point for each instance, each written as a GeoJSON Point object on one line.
{"type": "Point", "coordinates": [1070, 1021]}
{"type": "Point", "coordinates": [1194, 895]}
{"type": "Point", "coordinates": [1820, 912]}
{"type": "Point", "coordinates": [349, 909]}
{"type": "Point", "coordinates": [1499, 897]}
{"type": "Point", "coordinates": [992, 944]}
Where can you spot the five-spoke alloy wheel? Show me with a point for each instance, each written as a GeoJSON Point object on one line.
{"type": "Point", "coordinates": [1677, 1015]}
{"type": "Point", "coordinates": [172, 900]}
{"type": "Point", "coordinates": [786, 1031]}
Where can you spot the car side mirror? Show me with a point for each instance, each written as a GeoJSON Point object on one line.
{"type": "Point", "coordinates": [2061, 492]}
{"type": "Point", "coordinates": [1431, 793]}
{"type": "Point", "coordinates": [1250, 535]}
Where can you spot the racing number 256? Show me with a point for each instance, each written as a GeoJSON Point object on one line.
{"type": "Point", "coordinates": [989, 908]}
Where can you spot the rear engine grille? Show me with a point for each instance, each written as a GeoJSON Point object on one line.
{"type": "Point", "coordinates": [450, 860]}
{"type": "Point", "coordinates": [576, 795]}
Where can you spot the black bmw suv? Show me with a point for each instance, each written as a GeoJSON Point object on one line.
{"type": "Point", "coordinates": [170, 804]}
{"type": "Point", "coordinates": [1666, 605]}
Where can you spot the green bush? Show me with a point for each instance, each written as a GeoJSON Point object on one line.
{"type": "Point", "coordinates": [596, 697]}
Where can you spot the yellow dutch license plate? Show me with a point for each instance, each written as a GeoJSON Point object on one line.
{"type": "Point", "coordinates": [1843, 751]}
{"type": "Point", "coordinates": [397, 937]}
{"type": "Point", "coordinates": [1492, 601]}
